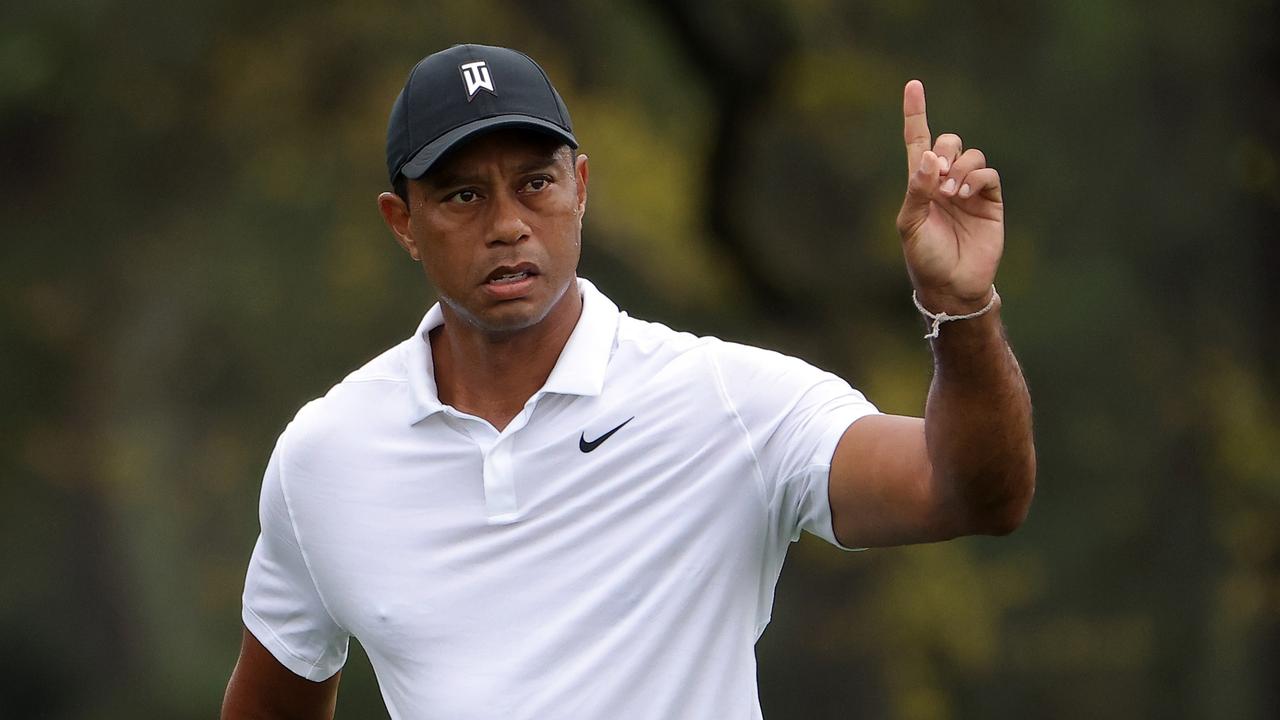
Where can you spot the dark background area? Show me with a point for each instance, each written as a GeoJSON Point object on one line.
{"type": "Point", "coordinates": [191, 250]}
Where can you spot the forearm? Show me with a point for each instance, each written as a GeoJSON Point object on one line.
{"type": "Point", "coordinates": [978, 426]}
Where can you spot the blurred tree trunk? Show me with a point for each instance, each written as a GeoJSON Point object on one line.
{"type": "Point", "coordinates": [739, 53]}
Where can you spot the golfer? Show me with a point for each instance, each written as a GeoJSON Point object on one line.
{"type": "Point", "coordinates": [539, 507]}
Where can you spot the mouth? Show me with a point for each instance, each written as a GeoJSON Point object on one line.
{"type": "Point", "coordinates": [511, 282]}
{"type": "Point", "coordinates": [511, 274]}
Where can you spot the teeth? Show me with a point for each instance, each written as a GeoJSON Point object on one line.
{"type": "Point", "coordinates": [511, 277]}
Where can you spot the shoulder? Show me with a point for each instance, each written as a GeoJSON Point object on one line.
{"type": "Point", "coordinates": [391, 366]}
{"type": "Point", "coordinates": [739, 372]}
{"type": "Point", "coordinates": [368, 398]}
{"type": "Point", "coordinates": [644, 337]}
{"type": "Point", "coordinates": [735, 360]}
{"type": "Point", "coordinates": [653, 349]}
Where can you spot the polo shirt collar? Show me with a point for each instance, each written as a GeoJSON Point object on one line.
{"type": "Point", "coordinates": [580, 370]}
{"type": "Point", "coordinates": [421, 370]}
{"type": "Point", "coordinates": [581, 367]}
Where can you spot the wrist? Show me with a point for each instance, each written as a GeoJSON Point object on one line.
{"type": "Point", "coordinates": [940, 301]}
{"type": "Point", "coordinates": [974, 317]}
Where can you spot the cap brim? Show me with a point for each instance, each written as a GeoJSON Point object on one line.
{"type": "Point", "coordinates": [420, 163]}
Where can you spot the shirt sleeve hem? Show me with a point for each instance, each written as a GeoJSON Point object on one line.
{"type": "Point", "coordinates": [317, 671]}
{"type": "Point", "coordinates": [828, 450]}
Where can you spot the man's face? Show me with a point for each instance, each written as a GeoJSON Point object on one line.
{"type": "Point", "coordinates": [497, 227]}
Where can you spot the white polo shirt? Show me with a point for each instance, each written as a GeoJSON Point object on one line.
{"type": "Point", "coordinates": [611, 554]}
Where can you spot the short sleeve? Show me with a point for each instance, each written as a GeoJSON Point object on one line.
{"type": "Point", "coordinates": [282, 606]}
{"type": "Point", "coordinates": [794, 415]}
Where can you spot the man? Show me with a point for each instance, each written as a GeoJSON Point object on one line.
{"type": "Point", "coordinates": [538, 507]}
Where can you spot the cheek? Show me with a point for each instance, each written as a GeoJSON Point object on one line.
{"type": "Point", "coordinates": [448, 259]}
{"type": "Point", "coordinates": [445, 256]}
{"type": "Point", "coordinates": [561, 238]}
{"type": "Point", "coordinates": [562, 218]}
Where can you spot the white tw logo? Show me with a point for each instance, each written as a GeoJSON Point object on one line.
{"type": "Point", "coordinates": [476, 76]}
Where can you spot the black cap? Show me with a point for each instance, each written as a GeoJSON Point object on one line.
{"type": "Point", "coordinates": [454, 94]}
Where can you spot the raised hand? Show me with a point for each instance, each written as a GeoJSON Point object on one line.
{"type": "Point", "coordinates": [952, 219]}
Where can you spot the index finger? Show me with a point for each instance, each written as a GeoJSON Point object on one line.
{"type": "Point", "coordinates": [915, 124]}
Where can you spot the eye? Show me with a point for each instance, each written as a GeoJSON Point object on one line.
{"type": "Point", "coordinates": [537, 184]}
{"type": "Point", "coordinates": [464, 197]}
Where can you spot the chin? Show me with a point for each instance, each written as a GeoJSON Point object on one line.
{"type": "Point", "coordinates": [510, 321]}
{"type": "Point", "coordinates": [508, 317]}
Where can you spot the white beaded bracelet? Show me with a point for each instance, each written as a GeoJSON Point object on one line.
{"type": "Point", "coordinates": [942, 317]}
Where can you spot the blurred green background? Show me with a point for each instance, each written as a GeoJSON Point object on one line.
{"type": "Point", "coordinates": [191, 250]}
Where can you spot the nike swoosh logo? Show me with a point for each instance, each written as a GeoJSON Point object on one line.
{"type": "Point", "coordinates": [587, 446]}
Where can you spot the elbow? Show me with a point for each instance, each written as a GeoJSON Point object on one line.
{"type": "Point", "coordinates": [1006, 520]}
{"type": "Point", "coordinates": [1002, 515]}
{"type": "Point", "coordinates": [1015, 510]}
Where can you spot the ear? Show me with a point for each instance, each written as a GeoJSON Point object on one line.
{"type": "Point", "coordinates": [581, 170]}
{"type": "Point", "coordinates": [396, 214]}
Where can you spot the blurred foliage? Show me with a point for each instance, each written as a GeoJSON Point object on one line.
{"type": "Point", "coordinates": [191, 251]}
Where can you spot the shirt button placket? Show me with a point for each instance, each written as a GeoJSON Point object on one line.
{"type": "Point", "coordinates": [499, 483]}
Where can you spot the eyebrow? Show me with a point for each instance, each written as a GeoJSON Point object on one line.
{"type": "Point", "coordinates": [447, 178]}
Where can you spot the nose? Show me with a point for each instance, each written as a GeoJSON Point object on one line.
{"type": "Point", "coordinates": [509, 226]}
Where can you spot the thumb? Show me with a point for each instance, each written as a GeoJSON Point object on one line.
{"type": "Point", "coordinates": [921, 186]}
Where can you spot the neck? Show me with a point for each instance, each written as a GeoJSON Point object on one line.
{"type": "Point", "coordinates": [492, 375]}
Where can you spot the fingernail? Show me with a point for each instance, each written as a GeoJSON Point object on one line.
{"type": "Point", "coordinates": [943, 165]}
{"type": "Point", "coordinates": [949, 185]}
{"type": "Point", "coordinates": [965, 190]}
